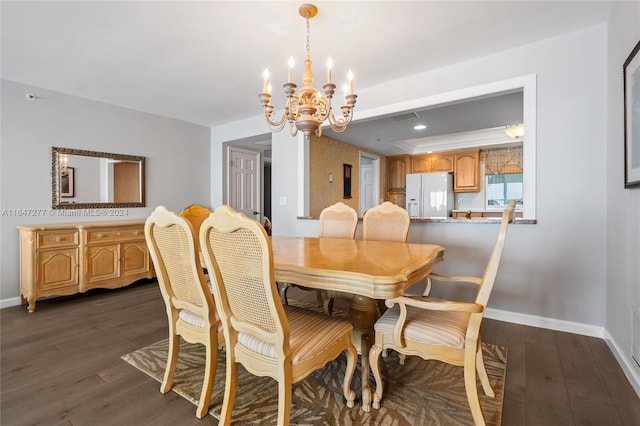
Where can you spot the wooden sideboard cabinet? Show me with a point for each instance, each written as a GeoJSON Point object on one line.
{"type": "Point", "coordinates": [63, 259]}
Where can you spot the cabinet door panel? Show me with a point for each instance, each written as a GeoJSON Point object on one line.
{"type": "Point", "coordinates": [467, 172]}
{"type": "Point", "coordinates": [57, 268]}
{"type": "Point", "coordinates": [135, 258]}
{"type": "Point", "coordinates": [421, 163]}
{"type": "Point", "coordinates": [397, 172]}
{"type": "Point", "coordinates": [102, 263]}
{"type": "Point", "coordinates": [442, 163]}
{"type": "Point", "coordinates": [397, 198]}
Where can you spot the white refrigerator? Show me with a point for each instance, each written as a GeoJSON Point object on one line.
{"type": "Point", "coordinates": [429, 194]}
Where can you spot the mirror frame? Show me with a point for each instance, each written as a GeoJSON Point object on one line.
{"type": "Point", "coordinates": [56, 202]}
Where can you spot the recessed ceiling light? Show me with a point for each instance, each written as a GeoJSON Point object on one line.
{"type": "Point", "coordinates": [420, 127]}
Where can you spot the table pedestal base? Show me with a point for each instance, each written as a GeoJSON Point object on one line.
{"type": "Point", "coordinates": [363, 313]}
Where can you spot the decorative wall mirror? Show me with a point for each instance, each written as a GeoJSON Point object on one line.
{"type": "Point", "coordinates": [87, 179]}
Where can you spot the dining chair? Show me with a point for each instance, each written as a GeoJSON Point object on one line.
{"type": "Point", "coordinates": [196, 214]}
{"type": "Point", "coordinates": [386, 222]}
{"type": "Point", "coordinates": [446, 331]}
{"type": "Point", "coordinates": [265, 336]}
{"type": "Point", "coordinates": [187, 297]}
{"type": "Point", "coordinates": [336, 221]}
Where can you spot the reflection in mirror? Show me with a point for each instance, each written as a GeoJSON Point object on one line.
{"type": "Point", "coordinates": [89, 179]}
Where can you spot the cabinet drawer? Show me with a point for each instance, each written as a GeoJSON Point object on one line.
{"type": "Point", "coordinates": [120, 234]}
{"type": "Point", "coordinates": [52, 239]}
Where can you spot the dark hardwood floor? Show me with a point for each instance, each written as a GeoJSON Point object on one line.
{"type": "Point", "coordinates": [61, 366]}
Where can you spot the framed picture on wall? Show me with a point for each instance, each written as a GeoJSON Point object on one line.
{"type": "Point", "coordinates": [631, 69]}
{"type": "Point", "coordinates": [67, 183]}
{"type": "Point", "coordinates": [347, 180]}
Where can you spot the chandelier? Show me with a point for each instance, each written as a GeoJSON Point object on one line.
{"type": "Point", "coordinates": [307, 110]}
{"type": "Point", "coordinates": [64, 165]}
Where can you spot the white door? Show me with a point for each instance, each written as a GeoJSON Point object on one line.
{"type": "Point", "coordinates": [244, 183]}
{"type": "Point", "coordinates": [369, 181]}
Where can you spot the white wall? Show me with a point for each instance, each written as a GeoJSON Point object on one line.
{"type": "Point", "coordinates": [177, 159]}
{"type": "Point", "coordinates": [623, 226]}
{"type": "Point", "coordinates": [555, 269]}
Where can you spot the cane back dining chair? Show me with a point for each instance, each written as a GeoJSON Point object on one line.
{"type": "Point", "coordinates": [446, 331]}
{"type": "Point", "coordinates": [188, 299]}
{"type": "Point", "coordinates": [386, 222]}
{"type": "Point", "coordinates": [196, 214]}
{"type": "Point", "coordinates": [336, 221]}
{"type": "Point", "coordinates": [265, 336]}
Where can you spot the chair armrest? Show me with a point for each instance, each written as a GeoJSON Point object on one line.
{"type": "Point", "coordinates": [433, 305]}
{"type": "Point", "coordinates": [458, 278]}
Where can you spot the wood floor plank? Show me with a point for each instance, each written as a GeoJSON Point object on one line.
{"type": "Point", "coordinates": [588, 411]}
{"type": "Point", "coordinates": [514, 412]}
{"type": "Point", "coordinates": [61, 366]}
{"type": "Point", "coordinates": [581, 374]}
{"type": "Point", "coordinates": [547, 398]}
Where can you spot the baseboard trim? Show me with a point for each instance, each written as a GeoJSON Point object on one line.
{"type": "Point", "coordinates": [626, 363]}
{"type": "Point", "coordinates": [548, 323]}
{"type": "Point", "coordinates": [7, 303]}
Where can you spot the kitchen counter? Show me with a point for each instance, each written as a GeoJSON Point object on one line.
{"type": "Point", "coordinates": [474, 220]}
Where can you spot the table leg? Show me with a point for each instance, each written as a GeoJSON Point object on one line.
{"type": "Point", "coordinates": [363, 312]}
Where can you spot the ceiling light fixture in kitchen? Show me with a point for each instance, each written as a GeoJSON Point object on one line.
{"type": "Point", "coordinates": [516, 131]}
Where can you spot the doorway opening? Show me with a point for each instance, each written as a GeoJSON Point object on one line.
{"type": "Point", "coordinates": [247, 176]}
{"type": "Point", "coordinates": [369, 181]}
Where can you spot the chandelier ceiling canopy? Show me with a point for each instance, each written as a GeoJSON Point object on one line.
{"type": "Point", "coordinates": [306, 110]}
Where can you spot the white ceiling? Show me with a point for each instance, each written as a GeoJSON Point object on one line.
{"type": "Point", "coordinates": [202, 61]}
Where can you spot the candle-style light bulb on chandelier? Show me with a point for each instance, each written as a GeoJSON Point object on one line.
{"type": "Point", "coordinates": [307, 110]}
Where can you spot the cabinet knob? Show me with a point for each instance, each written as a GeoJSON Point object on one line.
{"type": "Point", "coordinates": [118, 233]}
{"type": "Point", "coordinates": [99, 235]}
{"type": "Point", "coordinates": [57, 239]}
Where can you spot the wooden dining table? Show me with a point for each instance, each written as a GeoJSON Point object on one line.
{"type": "Point", "coordinates": [359, 271]}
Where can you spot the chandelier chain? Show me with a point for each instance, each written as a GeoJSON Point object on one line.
{"type": "Point", "coordinates": [308, 46]}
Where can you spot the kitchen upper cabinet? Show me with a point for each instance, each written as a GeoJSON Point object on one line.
{"type": "Point", "coordinates": [421, 163]}
{"type": "Point", "coordinates": [433, 163]}
{"type": "Point", "coordinates": [442, 162]}
{"type": "Point", "coordinates": [467, 171]}
{"type": "Point", "coordinates": [398, 166]}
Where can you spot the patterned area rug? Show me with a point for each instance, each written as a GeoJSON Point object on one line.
{"type": "Point", "coordinates": [417, 393]}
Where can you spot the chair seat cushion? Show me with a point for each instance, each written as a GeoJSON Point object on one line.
{"type": "Point", "coordinates": [438, 328]}
{"type": "Point", "coordinates": [195, 319]}
{"type": "Point", "coordinates": [310, 333]}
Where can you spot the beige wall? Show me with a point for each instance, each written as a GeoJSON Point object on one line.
{"type": "Point", "coordinates": [327, 156]}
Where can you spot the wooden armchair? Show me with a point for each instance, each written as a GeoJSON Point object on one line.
{"type": "Point", "coordinates": [267, 338]}
{"type": "Point", "coordinates": [336, 221]}
{"type": "Point", "coordinates": [188, 300]}
{"type": "Point", "coordinates": [443, 330]}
